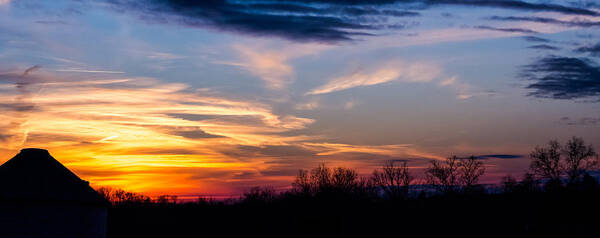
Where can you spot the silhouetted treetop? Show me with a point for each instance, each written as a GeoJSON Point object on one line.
{"type": "Point", "coordinates": [393, 179]}
{"type": "Point", "coordinates": [572, 160]}
{"type": "Point", "coordinates": [454, 173]}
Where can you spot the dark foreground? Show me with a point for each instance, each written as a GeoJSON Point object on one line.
{"type": "Point", "coordinates": [533, 214]}
{"type": "Point", "coordinates": [558, 197]}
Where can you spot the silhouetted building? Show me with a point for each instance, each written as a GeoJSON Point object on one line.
{"type": "Point", "coordinates": [39, 197]}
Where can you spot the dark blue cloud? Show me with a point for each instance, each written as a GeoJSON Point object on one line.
{"type": "Point", "coordinates": [508, 4]}
{"type": "Point", "coordinates": [592, 50]}
{"type": "Point", "coordinates": [559, 77]}
{"type": "Point", "coordinates": [308, 20]}
{"type": "Point", "coordinates": [499, 156]}
{"type": "Point", "coordinates": [536, 39]}
{"type": "Point", "coordinates": [517, 5]}
{"type": "Point", "coordinates": [517, 30]}
{"type": "Point", "coordinates": [543, 47]}
{"type": "Point", "coordinates": [573, 23]}
{"type": "Point", "coordinates": [295, 20]}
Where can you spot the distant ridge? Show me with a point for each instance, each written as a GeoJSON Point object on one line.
{"type": "Point", "coordinates": [33, 175]}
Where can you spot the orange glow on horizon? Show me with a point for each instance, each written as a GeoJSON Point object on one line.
{"type": "Point", "coordinates": [142, 135]}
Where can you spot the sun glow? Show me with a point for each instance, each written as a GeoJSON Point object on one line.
{"type": "Point", "coordinates": [144, 135]}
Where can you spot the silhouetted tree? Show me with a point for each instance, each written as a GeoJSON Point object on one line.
{"type": "Point", "coordinates": [259, 195]}
{"type": "Point", "coordinates": [166, 199]}
{"type": "Point", "coordinates": [546, 163]}
{"type": "Point", "coordinates": [323, 180]}
{"type": "Point", "coordinates": [204, 200]}
{"type": "Point", "coordinates": [322, 204]}
{"type": "Point", "coordinates": [589, 183]}
{"type": "Point", "coordinates": [573, 160]}
{"type": "Point", "coordinates": [528, 183]}
{"type": "Point", "coordinates": [122, 197]}
{"type": "Point", "coordinates": [105, 192]}
{"type": "Point", "coordinates": [578, 159]}
{"type": "Point", "coordinates": [162, 199]}
{"type": "Point", "coordinates": [302, 184]}
{"type": "Point", "coordinates": [509, 184]}
{"type": "Point", "coordinates": [470, 170]}
{"type": "Point", "coordinates": [443, 175]}
{"type": "Point", "coordinates": [455, 173]}
{"type": "Point", "coordinates": [394, 180]}
{"type": "Point", "coordinates": [345, 180]}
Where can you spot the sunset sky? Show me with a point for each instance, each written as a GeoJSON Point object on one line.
{"type": "Point", "coordinates": [213, 97]}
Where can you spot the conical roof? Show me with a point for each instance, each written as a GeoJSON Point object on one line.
{"type": "Point", "coordinates": [34, 175]}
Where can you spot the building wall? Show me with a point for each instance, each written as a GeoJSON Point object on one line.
{"type": "Point", "coordinates": [47, 220]}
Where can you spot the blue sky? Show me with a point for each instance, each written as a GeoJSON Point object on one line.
{"type": "Point", "coordinates": [217, 96]}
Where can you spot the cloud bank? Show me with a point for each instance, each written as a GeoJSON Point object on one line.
{"type": "Point", "coordinates": [560, 77]}
{"type": "Point", "coordinates": [311, 20]}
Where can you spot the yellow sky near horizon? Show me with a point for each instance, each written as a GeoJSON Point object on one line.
{"type": "Point", "coordinates": [144, 135]}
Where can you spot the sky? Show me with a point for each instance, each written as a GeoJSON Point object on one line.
{"type": "Point", "coordinates": [213, 97]}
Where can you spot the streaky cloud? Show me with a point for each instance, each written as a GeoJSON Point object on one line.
{"type": "Point", "coordinates": [536, 39]}
{"type": "Point", "coordinates": [271, 65]}
{"type": "Point", "coordinates": [394, 71]}
{"type": "Point", "coordinates": [518, 5]}
{"type": "Point", "coordinates": [464, 90]}
{"type": "Point", "coordinates": [559, 77]}
{"type": "Point", "coordinates": [583, 121]}
{"type": "Point", "coordinates": [508, 4]}
{"type": "Point", "coordinates": [293, 20]}
{"type": "Point", "coordinates": [515, 30]}
{"type": "Point", "coordinates": [89, 71]}
{"type": "Point", "coordinates": [308, 20]}
{"type": "Point", "coordinates": [195, 134]}
{"type": "Point", "coordinates": [592, 50]}
{"type": "Point", "coordinates": [544, 47]}
{"type": "Point", "coordinates": [571, 23]}
{"type": "Point", "coordinates": [499, 156]}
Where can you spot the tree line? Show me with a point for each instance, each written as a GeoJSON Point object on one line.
{"type": "Point", "coordinates": [553, 167]}
{"type": "Point", "coordinates": [553, 198]}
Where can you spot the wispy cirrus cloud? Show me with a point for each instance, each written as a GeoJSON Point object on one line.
{"type": "Point", "coordinates": [147, 135]}
{"type": "Point", "coordinates": [400, 72]}
{"type": "Point", "coordinates": [112, 123]}
{"type": "Point", "coordinates": [464, 90]}
{"type": "Point", "coordinates": [272, 65]}
{"type": "Point", "coordinates": [89, 71]}
{"type": "Point", "coordinates": [398, 150]}
{"type": "Point", "coordinates": [393, 71]}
